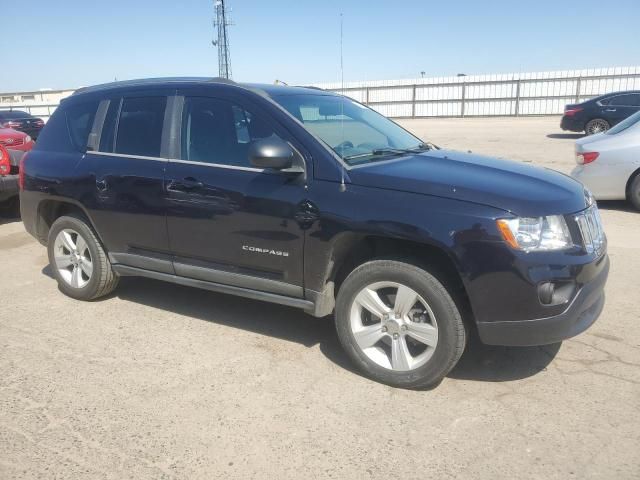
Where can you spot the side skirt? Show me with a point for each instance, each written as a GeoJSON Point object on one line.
{"type": "Point", "coordinates": [126, 271]}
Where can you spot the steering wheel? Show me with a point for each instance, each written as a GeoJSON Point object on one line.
{"type": "Point", "coordinates": [343, 145]}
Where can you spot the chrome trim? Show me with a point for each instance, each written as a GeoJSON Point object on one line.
{"type": "Point", "coordinates": [218, 165]}
{"type": "Point", "coordinates": [591, 230]}
{"type": "Point", "coordinates": [123, 155]}
{"type": "Point", "coordinates": [175, 160]}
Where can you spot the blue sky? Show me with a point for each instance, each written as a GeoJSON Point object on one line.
{"type": "Point", "coordinates": [69, 43]}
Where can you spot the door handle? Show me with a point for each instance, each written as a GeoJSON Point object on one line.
{"type": "Point", "coordinates": [184, 185]}
{"type": "Point", "coordinates": [610, 110]}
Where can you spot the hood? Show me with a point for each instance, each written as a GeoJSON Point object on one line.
{"type": "Point", "coordinates": [11, 133]}
{"type": "Point", "coordinates": [515, 187]}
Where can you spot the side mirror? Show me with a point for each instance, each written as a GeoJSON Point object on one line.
{"type": "Point", "coordinates": [271, 152]}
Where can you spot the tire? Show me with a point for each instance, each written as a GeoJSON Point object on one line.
{"type": "Point", "coordinates": [596, 125]}
{"type": "Point", "coordinates": [74, 281]}
{"type": "Point", "coordinates": [434, 309]}
{"type": "Point", "coordinates": [634, 192]}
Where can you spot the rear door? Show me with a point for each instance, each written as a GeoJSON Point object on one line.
{"type": "Point", "coordinates": [229, 222]}
{"type": "Point", "coordinates": [126, 161]}
{"type": "Point", "coordinates": [622, 106]}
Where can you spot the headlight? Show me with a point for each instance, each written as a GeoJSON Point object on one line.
{"type": "Point", "coordinates": [27, 139]}
{"type": "Point", "coordinates": [536, 234]}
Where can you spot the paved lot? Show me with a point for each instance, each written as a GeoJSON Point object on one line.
{"type": "Point", "coordinates": [161, 381]}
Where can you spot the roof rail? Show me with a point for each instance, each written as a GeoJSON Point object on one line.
{"type": "Point", "coordinates": [152, 81]}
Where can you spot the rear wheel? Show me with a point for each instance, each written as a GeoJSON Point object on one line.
{"type": "Point", "coordinates": [634, 192]}
{"type": "Point", "coordinates": [597, 125]}
{"type": "Point", "coordinates": [80, 264]}
{"type": "Point", "coordinates": [399, 324]}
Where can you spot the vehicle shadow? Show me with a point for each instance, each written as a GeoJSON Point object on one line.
{"type": "Point", "coordinates": [490, 363]}
{"type": "Point", "coordinates": [619, 205]}
{"type": "Point", "coordinates": [565, 136]}
{"type": "Point", "coordinates": [479, 362]}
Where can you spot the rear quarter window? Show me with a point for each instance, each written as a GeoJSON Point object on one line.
{"type": "Point", "coordinates": [80, 119]}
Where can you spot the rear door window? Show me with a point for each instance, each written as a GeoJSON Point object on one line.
{"type": "Point", "coordinates": [139, 128]}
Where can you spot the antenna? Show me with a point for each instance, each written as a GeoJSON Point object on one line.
{"type": "Point", "coordinates": [343, 187]}
{"type": "Point", "coordinates": [221, 22]}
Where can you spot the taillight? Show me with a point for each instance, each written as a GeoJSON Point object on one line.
{"type": "Point", "coordinates": [21, 172]}
{"type": "Point", "coordinates": [586, 157]}
{"type": "Point", "coordinates": [570, 112]}
{"type": "Point", "coordinates": [5, 162]}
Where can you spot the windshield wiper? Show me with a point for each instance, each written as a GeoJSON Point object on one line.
{"type": "Point", "coordinates": [393, 151]}
{"type": "Point", "coordinates": [400, 151]}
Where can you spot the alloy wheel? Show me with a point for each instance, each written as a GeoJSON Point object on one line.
{"type": "Point", "coordinates": [597, 126]}
{"type": "Point", "coordinates": [394, 326]}
{"type": "Point", "coordinates": [73, 258]}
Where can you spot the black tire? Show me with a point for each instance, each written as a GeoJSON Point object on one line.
{"type": "Point", "coordinates": [634, 192]}
{"type": "Point", "coordinates": [103, 280]}
{"type": "Point", "coordinates": [451, 330]}
{"type": "Point", "coordinates": [596, 125]}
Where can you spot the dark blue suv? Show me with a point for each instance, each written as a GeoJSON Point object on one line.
{"type": "Point", "coordinates": [309, 199]}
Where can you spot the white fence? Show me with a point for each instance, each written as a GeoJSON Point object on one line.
{"type": "Point", "coordinates": [513, 94]}
{"type": "Point", "coordinates": [538, 93]}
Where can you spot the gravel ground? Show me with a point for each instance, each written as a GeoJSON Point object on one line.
{"type": "Point", "coordinates": [162, 381]}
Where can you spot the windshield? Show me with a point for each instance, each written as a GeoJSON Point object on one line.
{"type": "Point", "coordinates": [355, 132]}
{"type": "Point", "coordinates": [623, 125]}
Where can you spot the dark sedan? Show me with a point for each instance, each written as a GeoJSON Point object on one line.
{"type": "Point", "coordinates": [601, 113]}
{"type": "Point", "coordinates": [21, 121]}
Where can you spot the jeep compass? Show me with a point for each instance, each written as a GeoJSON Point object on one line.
{"type": "Point", "coordinates": [309, 199]}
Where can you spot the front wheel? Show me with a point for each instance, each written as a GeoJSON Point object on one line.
{"type": "Point", "coordinates": [399, 324]}
{"type": "Point", "coordinates": [79, 263]}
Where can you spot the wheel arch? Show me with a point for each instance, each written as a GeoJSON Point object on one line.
{"type": "Point", "coordinates": [49, 210]}
{"type": "Point", "coordinates": [351, 251]}
{"type": "Point", "coordinates": [632, 177]}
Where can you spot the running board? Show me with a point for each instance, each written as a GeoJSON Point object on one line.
{"type": "Point", "coordinates": [126, 271]}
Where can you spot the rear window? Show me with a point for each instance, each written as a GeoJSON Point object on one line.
{"type": "Point", "coordinates": [80, 121]}
{"type": "Point", "coordinates": [139, 130]}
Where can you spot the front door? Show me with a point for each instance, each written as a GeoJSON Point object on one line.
{"type": "Point", "coordinates": [228, 222]}
{"type": "Point", "coordinates": [621, 106]}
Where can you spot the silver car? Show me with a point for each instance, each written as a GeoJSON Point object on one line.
{"type": "Point", "coordinates": [609, 163]}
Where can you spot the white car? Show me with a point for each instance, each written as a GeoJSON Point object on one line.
{"type": "Point", "coordinates": [609, 163]}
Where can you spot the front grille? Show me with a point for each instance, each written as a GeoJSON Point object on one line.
{"type": "Point", "coordinates": [14, 142]}
{"type": "Point", "coordinates": [590, 225]}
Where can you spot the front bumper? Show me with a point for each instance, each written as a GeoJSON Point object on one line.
{"type": "Point", "coordinates": [8, 187]}
{"type": "Point", "coordinates": [583, 311]}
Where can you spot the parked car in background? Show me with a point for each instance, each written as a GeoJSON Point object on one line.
{"type": "Point", "coordinates": [9, 174]}
{"type": "Point", "coordinates": [21, 121]}
{"type": "Point", "coordinates": [609, 163]}
{"type": "Point", "coordinates": [15, 140]}
{"type": "Point", "coordinates": [601, 113]}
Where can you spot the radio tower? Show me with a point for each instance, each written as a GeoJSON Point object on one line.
{"type": "Point", "coordinates": [220, 23]}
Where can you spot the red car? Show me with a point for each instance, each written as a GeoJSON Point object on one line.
{"type": "Point", "coordinates": [15, 140]}
{"type": "Point", "coordinates": [13, 146]}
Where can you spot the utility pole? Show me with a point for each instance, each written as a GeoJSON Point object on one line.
{"type": "Point", "coordinates": [220, 23]}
